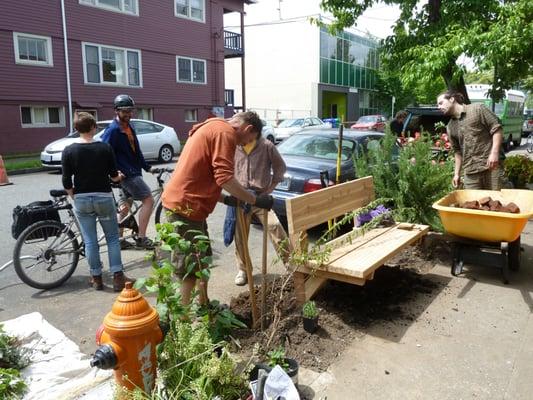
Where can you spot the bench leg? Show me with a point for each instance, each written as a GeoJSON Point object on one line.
{"type": "Point", "coordinates": [306, 286]}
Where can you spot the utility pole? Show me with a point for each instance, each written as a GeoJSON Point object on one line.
{"type": "Point", "coordinates": [279, 8]}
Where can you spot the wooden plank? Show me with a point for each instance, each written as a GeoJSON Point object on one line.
{"type": "Point", "coordinates": [363, 260]}
{"type": "Point", "coordinates": [299, 287]}
{"type": "Point", "coordinates": [321, 273]}
{"type": "Point", "coordinates": [312, 209]}
{"type": "Point", "coordinates": [312, 285]}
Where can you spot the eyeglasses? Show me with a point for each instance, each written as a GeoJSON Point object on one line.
{"type": "Point", "coordinates": [126, 110]}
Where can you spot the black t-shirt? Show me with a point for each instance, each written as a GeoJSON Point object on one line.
{"type": "Point", "coordinates": [91, 164]}
{"type": "Point", "coordinates": [396, 127]}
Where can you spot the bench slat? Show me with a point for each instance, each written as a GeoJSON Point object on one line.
{"type": "Point", "coordinates": [361, 260]}
{"type": "Point", "coordinates": [315, 208]}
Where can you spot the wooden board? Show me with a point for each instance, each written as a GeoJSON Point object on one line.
{"type": "Point", "coordinates": [361, 259]}
{"type": "Point", "coordinates": [315, 208]}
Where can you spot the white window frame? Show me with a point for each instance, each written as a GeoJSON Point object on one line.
{"type": "Point", "coordinates": [100, 69]}
{"type": "Point", "coordinates": [150, 113]}
{"type": "Point", "coordinates": [49, 54]}
{"type": "Point", "coordinates": [194, 111]}
{"type": "Point", "coordinates": [192, 79]}
{"type": "Point", "coordinates": [188, 16]}
{"type": "Point", "coordinates": [46, 124]}
{"type": "Point", "coordinates": [96, 4]}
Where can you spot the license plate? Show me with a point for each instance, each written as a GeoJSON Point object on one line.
{"type": "Point", "coordinates": [284, 184]}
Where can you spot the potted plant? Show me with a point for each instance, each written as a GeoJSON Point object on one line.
{"type": "Point", "coordinates": [310, 316]}
{"type": "Point", "coordinates": [289, 365]}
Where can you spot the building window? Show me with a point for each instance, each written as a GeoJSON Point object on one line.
{"type": "Point", "coordinates": [39, 116]}
{"type": "Point", "coordinates": [122, 6]}
{"type": "Point", "coordinates": [191, 9]}
{"type": "Point", "coordinates": [191, 115]}
{"type": "Point", "coordinates": [145, 113]}
{"type": "Point", "coordinates": [190, 70]}
{"type": "Point", "coordinates": [105, 65]}
{"type": "Point", "coordinates": [33, 49]}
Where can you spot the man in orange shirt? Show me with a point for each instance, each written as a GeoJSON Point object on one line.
{"type": "Point", "coordinates": [205, 167]}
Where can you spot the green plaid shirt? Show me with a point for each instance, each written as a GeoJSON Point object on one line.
{"type": "Point", "coordinates": [471, 136]}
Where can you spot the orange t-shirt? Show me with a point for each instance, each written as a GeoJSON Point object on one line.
{"type": "Point", "coordinates": [129, 134]}
{"type": "Point", "coordinates": [205, 164]}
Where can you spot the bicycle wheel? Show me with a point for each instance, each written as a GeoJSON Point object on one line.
{"type": "Point", "coordinates": [158, 213]}
{"type": "Point", "coordinates": [46, 254]}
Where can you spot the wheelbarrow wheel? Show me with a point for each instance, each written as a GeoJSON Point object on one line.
{"type": "Point", "coordinates": [514, 255]}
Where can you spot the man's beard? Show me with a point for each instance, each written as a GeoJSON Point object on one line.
{"type": "Point", "coordinates": [124, 119]}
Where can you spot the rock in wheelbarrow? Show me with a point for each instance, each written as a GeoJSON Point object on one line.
{"type": "Point", "coordinates": [511, 208]}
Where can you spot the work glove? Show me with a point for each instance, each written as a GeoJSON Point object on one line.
{"type": "Point", "coordinates": [264, 201]}
{"type": "Point", "coordinates": [231, 201]}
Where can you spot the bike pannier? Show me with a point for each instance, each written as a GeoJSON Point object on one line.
{"type": "Point", "coordinates": [24, 216]}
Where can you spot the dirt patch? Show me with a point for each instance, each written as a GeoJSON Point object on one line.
{"type": "Point", "coordinates": [346, 311]}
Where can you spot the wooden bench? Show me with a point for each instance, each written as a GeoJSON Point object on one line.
{"type": "Point", "coordinates": [354, 256]}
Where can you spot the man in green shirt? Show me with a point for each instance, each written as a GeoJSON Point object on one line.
{"type": "Point", "coordinates": [476, 136]}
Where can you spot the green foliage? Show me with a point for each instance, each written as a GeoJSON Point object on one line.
{"type": "Point", "coordinates": [414, 181]}
{"type": "Point", "coordinates": [429, 40]}
{"type": "Point", "coordinates": [277, 357]}
{"type": "Point", "coordinates": [309, 310]}
{"type": "Point", "coordinates": [13, 357]}
{"type": "Point", "coordinates": [219, 320]}
{"type": "Point", "coordinates": [519, 170]}
{"type": "Point", "coordinates": [12, 386]}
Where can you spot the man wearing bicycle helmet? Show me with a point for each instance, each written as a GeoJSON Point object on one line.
{"type": "Point", "coordinates": [130, 161]}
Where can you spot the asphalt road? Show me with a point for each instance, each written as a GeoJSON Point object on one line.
{"type": "Point", "coordinates": [75, 308]}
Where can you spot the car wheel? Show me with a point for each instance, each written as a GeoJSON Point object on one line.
{"type": "Point", "coordinates": [166, 153]}
{"type": "Point", "coordinates": [271, 138]}
{"type": "Point", "coordinates": [516, 143]}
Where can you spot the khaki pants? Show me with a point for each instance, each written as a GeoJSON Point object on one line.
{"type": "Point", "coordinates": [491, 179]}
{"type": "Point", "coordinates": [275, 230]}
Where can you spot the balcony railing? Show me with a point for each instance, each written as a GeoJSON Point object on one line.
{"type": "Point", "coordinates": [233, 44]}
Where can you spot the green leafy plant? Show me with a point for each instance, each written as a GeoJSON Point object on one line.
{"type": "Point", "coordinates": [219, 320]}
{"type": "Point", "coordinates": [519, 170]}
{"type": "Point", "coordinates": [13, 357]}
{"type": "Point", "coordinates": [309, 310]}
{"type": "Point", "coordinates": [413, 180]}
{"type": "Point", "coordinates": [277, 357]}
{"type": "Point", "coordinates": [12, 386]}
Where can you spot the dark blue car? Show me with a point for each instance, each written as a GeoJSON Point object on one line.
{"type": "Point", "coordinates": [311, 158]}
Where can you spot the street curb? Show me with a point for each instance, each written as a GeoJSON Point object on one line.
{"type": "Point", "coordinates": [27, 171]}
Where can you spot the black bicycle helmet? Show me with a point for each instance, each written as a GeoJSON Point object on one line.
{"type": "Point", "coordinates": [123, 101]}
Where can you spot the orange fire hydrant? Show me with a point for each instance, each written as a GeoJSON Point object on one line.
{"type": "Point", "coordinates": [128, 339]}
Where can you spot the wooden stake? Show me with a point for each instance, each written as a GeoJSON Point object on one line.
{"type": "Point", "coordinates": [264, 270]}
{"type": "Point", "coordinates": [247, 262]}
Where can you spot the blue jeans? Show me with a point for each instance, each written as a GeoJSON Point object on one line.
{"type": "Point", "coordinates": [88, 209]}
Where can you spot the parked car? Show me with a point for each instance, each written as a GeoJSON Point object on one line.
{"type": "Point", "coordinates": [310, 152]}
{"type": "Point", "coordinates": [423, 118]}
{"type": "Point", "coordinates": [290, 126]}
{"type": "Point", "coordinates": [527, 126]}
{"type": "Point", "coordinates": [157, 141]}
{"type": "Point", "coordinates": [370, 123]}
{"type": "Point", "coordinates": [268, 131]}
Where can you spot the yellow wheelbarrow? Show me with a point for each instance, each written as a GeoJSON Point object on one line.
{"type": "Point", "coordinates": [485, 237]}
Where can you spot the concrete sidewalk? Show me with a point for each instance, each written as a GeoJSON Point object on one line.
{"type": "Point", "coordinates": [472, 341]}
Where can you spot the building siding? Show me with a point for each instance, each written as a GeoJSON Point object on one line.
{"type": "Point", "coordinates": [156, 32]}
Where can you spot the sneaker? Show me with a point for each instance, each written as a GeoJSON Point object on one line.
{"type": "Point", "coordinates": [144, 243]}
{"type": "Point", "coordinates": [96, 282]}
{"type": "Point", "coordinates": [119, 281]}
{"type": "Point", "coordinates": [241, 279]}
{"type": "Point", "coordinates": [125, 245]}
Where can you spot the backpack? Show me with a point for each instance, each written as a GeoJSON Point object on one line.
{"type": "Point", "coordinates": [24, 216]}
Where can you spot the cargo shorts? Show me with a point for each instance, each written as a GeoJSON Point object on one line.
{"type": "Point", "coordinates": [490, 179]}
{"type": "Point", "coordinates": [188, 230]}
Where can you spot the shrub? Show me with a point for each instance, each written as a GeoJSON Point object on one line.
{"type": "Point", "coordinates": [519, 170]}
{"type": "Point", "coordinates": [309, 310]}
{"type": "Point", "coordinates": [412, 179]}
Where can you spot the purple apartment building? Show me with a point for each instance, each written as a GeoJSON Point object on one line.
{"type": "Point", "coordinates": [167, 54]}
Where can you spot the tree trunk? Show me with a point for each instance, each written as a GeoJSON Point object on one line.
{"type": "Point", "coordinates": [451, 84]}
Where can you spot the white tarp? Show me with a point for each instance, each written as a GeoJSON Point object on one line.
{"type": "Point", "coordinates": [58, 371]}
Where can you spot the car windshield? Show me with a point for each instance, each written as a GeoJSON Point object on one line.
{"type": "Point", "coordinates": [290, 123]}
{"type": "Point", "coordinates": [73, 135]}
{"type": "Point", "coordinates": [368, 118]}
{"type": "Point", "coordinates": [316, 146]}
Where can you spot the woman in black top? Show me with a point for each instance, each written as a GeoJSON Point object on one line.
{"type": "Point", "coordinates": [92, 163]}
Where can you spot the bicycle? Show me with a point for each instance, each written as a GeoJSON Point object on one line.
{"type": "Point", "coordinates": [47, 253]}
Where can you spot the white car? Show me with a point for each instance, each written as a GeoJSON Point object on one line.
{"type": "Point", "coordinates": [290, 126]}
{"type": "Point", "coordinates": [157, 141]}
{"type": "Point", "coordinates": [268, 131]}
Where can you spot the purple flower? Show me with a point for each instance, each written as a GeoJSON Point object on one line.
{"type": "Point", "coordinates": [368, 216]}
{"type": "Point", "coordinates": [381, 209]}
